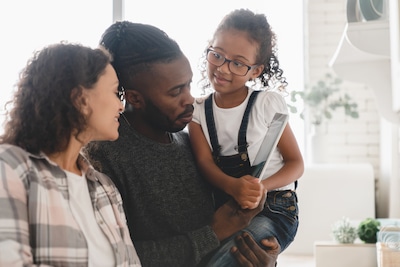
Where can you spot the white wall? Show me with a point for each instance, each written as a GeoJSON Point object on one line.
{"type": "Point", "coordinates": [353, 140]}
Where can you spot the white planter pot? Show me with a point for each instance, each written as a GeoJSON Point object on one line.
{"type": "Point", "coordinates": [319, 145]}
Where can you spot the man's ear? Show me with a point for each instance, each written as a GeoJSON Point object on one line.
{"type": "Point", "coordinates": [135, 98]}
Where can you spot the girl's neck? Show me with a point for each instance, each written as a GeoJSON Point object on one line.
{"type": "Point", "coordinates": [230, 100]}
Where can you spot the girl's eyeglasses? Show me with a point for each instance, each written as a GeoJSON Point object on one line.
{"type": "Point", "coordinates": [236, 67]}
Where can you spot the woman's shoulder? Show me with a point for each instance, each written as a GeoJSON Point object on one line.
{"type": "Point", "coordinates": [18, 159]}
{"type": "Point", "coordinates": [13, 152]}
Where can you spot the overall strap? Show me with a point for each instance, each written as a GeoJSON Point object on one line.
{"type": "Point", "coordinates": [212, 132]}
{"type": "Point", "coordinates": [242, 142]}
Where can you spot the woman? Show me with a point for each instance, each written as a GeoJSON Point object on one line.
{"type": "Point", "coordinates": [55, 209]}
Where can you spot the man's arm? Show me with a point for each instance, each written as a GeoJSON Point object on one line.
{"type": "Point", "coordinates": [231, 218]}
{"type": "Point", "coordinates": [227, 220]}
{"type": "Point", "coordinates": [249, 254]}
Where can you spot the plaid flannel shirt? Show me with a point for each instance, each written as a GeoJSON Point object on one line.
{"type": "Point", "coordinates": [36, 223]}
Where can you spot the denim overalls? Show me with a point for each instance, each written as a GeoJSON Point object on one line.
{"type": "Point", "coordinates": [234, 165]}
{"type": "Point", "coordinates": [279, 217]}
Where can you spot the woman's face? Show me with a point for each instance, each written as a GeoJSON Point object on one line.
{"type": "Point", "coordinates": [103, 107]}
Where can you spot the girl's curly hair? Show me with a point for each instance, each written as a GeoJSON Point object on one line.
{"type": "Point", "coordinates": [43, 115]}
{"type": "Point", "coordinates": [259, 31]}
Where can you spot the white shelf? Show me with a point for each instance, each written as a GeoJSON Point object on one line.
{"type": "Point", "coordinates": [371, 37]}
{"type": "Point", "coordinates": [363, 55]}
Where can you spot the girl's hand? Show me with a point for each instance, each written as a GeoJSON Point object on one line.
{"type": "Point", "coordinates": [247, 191]}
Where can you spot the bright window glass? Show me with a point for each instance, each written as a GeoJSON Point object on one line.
{"type": "Point", "coordinates": [26, 26]}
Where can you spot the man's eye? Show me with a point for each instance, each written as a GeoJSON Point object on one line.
{"type": "Point", "coordinates": [176, 91]}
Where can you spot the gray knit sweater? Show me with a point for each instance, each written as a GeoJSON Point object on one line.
{"type": "Point", "coordinates": [167, 203]}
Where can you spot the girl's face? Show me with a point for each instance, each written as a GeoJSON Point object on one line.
{"type": "Point", "coordinates": [102, 107]}
{"type": "Point", "coordinates": [235, 46]}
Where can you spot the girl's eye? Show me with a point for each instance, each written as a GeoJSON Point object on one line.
{"type": "Point", "coordinates": [217, 56]}
{"type": "Point", "coordinates": [237, 64]}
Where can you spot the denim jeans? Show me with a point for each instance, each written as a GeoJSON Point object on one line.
{"type": "Point", "coordinates": [279, 218]}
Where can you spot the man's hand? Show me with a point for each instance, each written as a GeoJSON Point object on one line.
{"type": "Point", "coordinates": [249, 254]}
{"type": "Point", "coordinates": [230, 218]}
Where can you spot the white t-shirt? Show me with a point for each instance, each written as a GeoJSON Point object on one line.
{"type": "Point", "coordinates": [100, 250]}
{"type": "Point", "coordinates": [228, 120]}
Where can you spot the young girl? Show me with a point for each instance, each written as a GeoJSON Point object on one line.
{"type": "Point", "coordinates": [229, 125]}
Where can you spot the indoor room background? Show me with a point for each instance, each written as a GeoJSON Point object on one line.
{"type": "Point", "coordinates": [310, 44]}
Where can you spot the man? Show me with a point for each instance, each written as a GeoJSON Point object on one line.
{"type": "Point", "coordinates": [168, 205]}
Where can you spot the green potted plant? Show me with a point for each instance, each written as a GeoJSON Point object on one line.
{"type": "Point", "coordinates": [343, 232]}
{"type": "Point", "coordinates": [322, 99]}
{"type": "Point", "coordinates": [367, 230]}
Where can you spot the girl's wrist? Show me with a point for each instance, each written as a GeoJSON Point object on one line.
{"type": "Point", "coordinates": [229, 186]}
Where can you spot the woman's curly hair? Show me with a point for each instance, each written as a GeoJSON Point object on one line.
{"type": "Point", "coordinates": [43, 115]}
{"type": "Point", "coordinates": [259, 31]}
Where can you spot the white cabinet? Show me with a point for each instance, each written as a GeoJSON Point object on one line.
{"type": "Point", "coordinates": [326, 193]}
{"type": "Point", "coordinates": [330, 254]}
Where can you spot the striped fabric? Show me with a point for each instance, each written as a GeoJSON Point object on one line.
{"type": "Point", "coordinates": [36, 223]}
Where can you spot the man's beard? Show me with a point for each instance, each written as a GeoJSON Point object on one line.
{"type": "Point", "coordinates": [159, 121]}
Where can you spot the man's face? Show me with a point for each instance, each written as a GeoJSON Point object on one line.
{"type": "Point", "coordinates": [168, 104]}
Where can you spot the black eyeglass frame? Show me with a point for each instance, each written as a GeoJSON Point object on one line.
{"type": "Point", "coordinates": [120, 94]}
{"type": "Point", "coordinates": [229, 62]}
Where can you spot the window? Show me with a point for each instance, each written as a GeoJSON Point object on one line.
{"type": "Point", "coordinates": [27, 25]}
